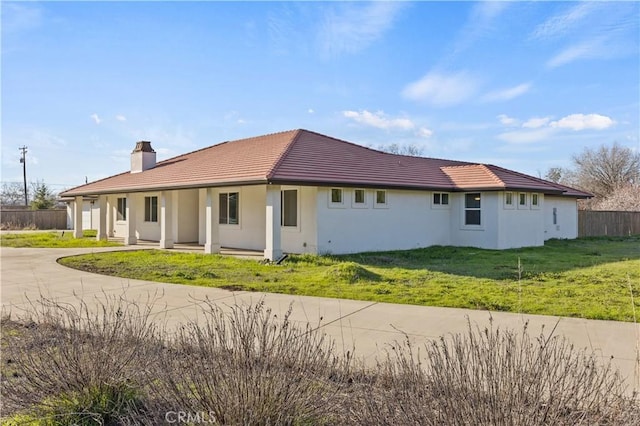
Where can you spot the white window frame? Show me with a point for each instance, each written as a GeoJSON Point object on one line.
{"type": "Point", "coordinates": [440, 196]}
{"type": "Point", "coordinates": [295, 227]}
{"type": "Point", "coordinates": [336, 204]}
{"type": "Point", "coordinates": [538, 198]}
{"type": "Point", "coordinates": [465, 209]}
{"type": "Point", "coordinates": [121, 216]}
{"type": "Point", "coordinates": [148, 209]}
{"type": "Point", "coordinates": [362, 205]}
{"type": "Point", "coordinates": [507, 195]}
{"type": "Point", "coordinates": [377, 204]}
{"type": "Point", "coordinates": [526, 200]}
{"type": "Point", "coordinates": [227, 192]}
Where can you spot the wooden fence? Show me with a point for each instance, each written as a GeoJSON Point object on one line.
{"type": "Point", "coordinates": [593, 223]}
{"type": "Point", "coordinates": [39, 219]}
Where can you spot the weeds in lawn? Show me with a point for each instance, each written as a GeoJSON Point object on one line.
{"type": "Point", "coordinates": [107, 363]}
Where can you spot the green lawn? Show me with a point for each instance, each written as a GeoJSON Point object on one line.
{"type": "Point", "coordinates": [53, 239]}
{"type": "Point", "coordinates": [588, 278]}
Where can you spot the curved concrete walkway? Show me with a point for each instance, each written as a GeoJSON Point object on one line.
{"type": "Point", "coordinates": [369, 327]}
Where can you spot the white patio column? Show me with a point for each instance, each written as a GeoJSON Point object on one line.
{"type": "Point", "coordinates": [166, 222]}
{"type": "Point", "coordinates": [273, 248]}
{"type": "Point", "coordinates": [77, 217]}
{"type": "Point", "coordinates": [130, 238]}
{"type": "Point", "coordinates": [102, 221]}
{"type": "Point", "coordinates": [212, 241]}
{"type": "Point", "coordinates": [109, 216]}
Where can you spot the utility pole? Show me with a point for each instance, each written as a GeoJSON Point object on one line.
{"type": "Point", "coordinates": [23, 160]}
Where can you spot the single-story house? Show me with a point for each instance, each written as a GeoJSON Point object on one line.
{"type": "Point", "coordinates": [302, 192]}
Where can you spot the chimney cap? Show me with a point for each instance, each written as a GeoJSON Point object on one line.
{"type": "Point", "coordinates": [143, 146]}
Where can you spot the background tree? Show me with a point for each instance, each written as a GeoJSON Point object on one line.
{"type": "Point", "coordinates": [611, 173]}
{"type": "Point", "coordinates": [12, 194]}
{"type": "Point", "coordinates": [394, 148]}
{"type": "Point", "coordinates": [43, 198]}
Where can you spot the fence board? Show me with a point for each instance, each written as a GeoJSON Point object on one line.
{"type": "Point", "coordinates": [40, 219]}
{"type": "Point", "coordinates": [593, 223]}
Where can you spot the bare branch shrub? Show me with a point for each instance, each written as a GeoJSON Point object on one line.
{"type": "Point", "coordinates": [248, 367]}
{"type": "Point", "coordinates": [496, 377]}
{"type": "Point", "coordinates": [83, 364]}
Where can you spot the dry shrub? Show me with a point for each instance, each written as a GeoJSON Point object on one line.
{"type": "Point", "coordinates": [245, 366]}
{"type": "Point", "coordinates": [496, 377]}
{"type": "Point", "coordinates": [82, 364]}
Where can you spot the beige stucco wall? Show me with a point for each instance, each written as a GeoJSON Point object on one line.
{"type": "Point", "coordinates": [567, 217]}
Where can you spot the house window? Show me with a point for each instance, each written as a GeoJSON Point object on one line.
{"type": "Point", "coordinates": [472, 209]}
{"type": "Point", "coordinates": [381, 197]}
{"type": "Point", "coordinates": [229, 211]}
{"type": "Point", "coordinates": [289, 207]}
{"type": "Point", "coordinates": [336, 195]}
{"type": "Point", "coordinates": [122, 209]}
{"type": "Point", "coordinates": [522, 199]}
{"type": "Point", "coordinates": [150, 209]}
{"type": "Point", "coordinates": [555, 216]}
{"type": "Point", "coordinates": [508, 198]}
{"type": "Point", "coordinates": [534, 200]}
{"type": "Point", "coordinates": [440, 199]}
{"type": "Point", "coordinates": [358, 196]}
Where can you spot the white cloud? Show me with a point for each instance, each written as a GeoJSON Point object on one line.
{"type": "Point", "coordinates": [563, 22]}
{"type": "Point", "coordinates": [423, 132]}
{"type": "Point", "coordinates": [351, 27]}
{"type": "Point", "coordinates": [310, 111]}
{"type": "Point", "coordinates": [442, 89]}
{"type": "Point", "coordinates": [121, 117]}
{"type": "Point", "coordinates": [536, 122]}
{"type": "Point", "coordinates": [96, 119]}
{"type": "Point", "coordinates": [507, 94]}
{"type": "Point", "coordinates": [508, 121]}
{"type": "Point", "coordinates": [583, 121]}
{"type": "Point", "coordinates": [379, 120]}
{"type": "Point", "coordinates": [526, 136]}
{"type": "Point", "coordinates": [593, 48]}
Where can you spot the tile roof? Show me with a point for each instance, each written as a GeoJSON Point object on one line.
{"type": "Point", "coordinates": [305, 157]}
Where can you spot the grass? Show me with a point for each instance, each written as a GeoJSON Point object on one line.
{"type": "Point", "coordinates": [53, 239]}
{"type": "Point", "coordinates": [586, 278]}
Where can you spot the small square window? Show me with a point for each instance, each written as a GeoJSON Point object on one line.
{"type": "Point", "coordinates": [358, 196]}
{"type": "Point", "coordinates": [440, 199]}
{"type": "Point", "coordinates": [381, 197]}
{"type": "Point", "coordinates": [336, 195]}
{"type": "Point", "coordinates": [522, 199]}
{"type": "Point", "coordinates": [508, 198]}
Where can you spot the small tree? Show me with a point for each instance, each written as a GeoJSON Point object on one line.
{"type": "Point", "coordinates": [43, 198]}
{"type": "Point", "coordinates": [394, 148]}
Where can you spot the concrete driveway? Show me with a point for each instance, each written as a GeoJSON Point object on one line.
{"type": "Point", "coordinates": [369, 327]}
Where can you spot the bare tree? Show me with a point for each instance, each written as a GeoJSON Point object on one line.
{"type": "Point", "coordinates": [12, 194]}
{"type": "Point", "coordinates": [626, 198]}
{"type": "Point", "coordinates": [394, 148]}
{"type": "Point", "coordinates": [603, 170]}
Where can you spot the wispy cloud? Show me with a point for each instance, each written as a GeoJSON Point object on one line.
{"type": "Point", "coordinates": [20, 17]}
{"type": "Point", "coordinates": [351, 27]}
{"type": "Point", "coordinates": [508, 121]}
{"type": "Point", "coordinates": [480, 22]}
{"type": "Point", "coordinates": [583, 121]}
{"type": "Point", "coordinates": [442, 90]}
{"type": "Point", "coordinates": [96, 119]}
{"type": "Point", "coordinates": [507, 94]}
{"type": "Point", "coordinates": [121, 117]}
{"type": "Point", "coordinates": [526, 136]}
{"type": "Point", "coordinates": [423, 132]}
{"type": "Point", "coordinates": [536, 122]}
{"type": "Point", "coordinates": [588, 49]}
{"type": "Point", "coordinates": [565, 21]}
{"type": "Point", "coordinates": [379, 120]}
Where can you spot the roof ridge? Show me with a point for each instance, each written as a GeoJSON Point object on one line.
{"type": "Point", "coordinates": [494, 176]}
{"type": "Point", "coordinates": [284, 153]}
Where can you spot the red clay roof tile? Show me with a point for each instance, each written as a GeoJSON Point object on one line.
{"type": "Point", "coordinates": [304, 157]}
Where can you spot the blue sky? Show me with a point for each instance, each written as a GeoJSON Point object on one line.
{"type": "Point", "coordinates": [522, 85]}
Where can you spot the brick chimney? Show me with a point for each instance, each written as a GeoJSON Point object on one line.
{"type": "Point", "coordinates": [143, 157]}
